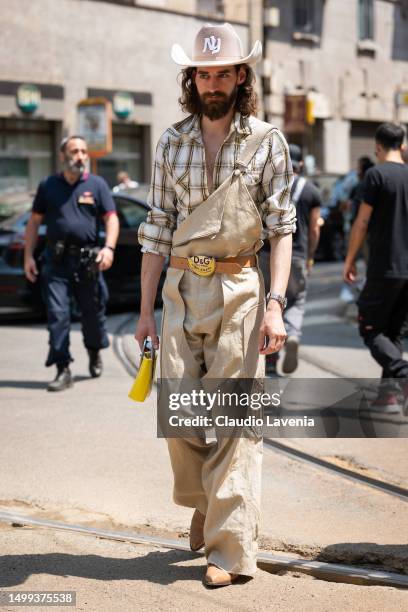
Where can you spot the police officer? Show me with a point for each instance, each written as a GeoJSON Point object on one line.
{"type": "Point", "coordinates": [72, 204]}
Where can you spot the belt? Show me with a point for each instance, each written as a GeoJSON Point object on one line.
{"type": "Point", "coordinates": [74, 249]}
{"type": "Point", "coordinates": [69, 249]}
{"type": "Point", "coordinates": [206, 266]}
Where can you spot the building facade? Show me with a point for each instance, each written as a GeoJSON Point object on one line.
{"type": "Point", "coordinates": [55, 53]}
{"type": "Point", "coordinates": [332, 71]}
{"type": "Point", "coordinates": [349, 59]}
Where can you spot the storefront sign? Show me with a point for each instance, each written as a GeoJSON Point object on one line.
{"type": "Point", "coordinates": [28, 98]}
{"type": "Point", "coordinates": [95, 125]}
{"type": "Point", "coordinates": [123, 104]}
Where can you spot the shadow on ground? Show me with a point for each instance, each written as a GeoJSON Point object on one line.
{"type": "Point", "coordinates": [35, 385]}
{"type": "Point", "coordinates": [156, 567]}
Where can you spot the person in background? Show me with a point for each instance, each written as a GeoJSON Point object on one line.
{"type": "Point", "coordinates": [383, 302]}
{"type": "Point", "coordinates": [124, 182]}
{"type": "Point", "coordinates": [348, 294]}
{"type": "Point", "coordinates": [307, 200]}
{"type": "Point", "coordinates": [72, 204]}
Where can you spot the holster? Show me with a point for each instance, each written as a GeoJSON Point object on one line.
{"type": "Point", "coordinates": [88, 269]}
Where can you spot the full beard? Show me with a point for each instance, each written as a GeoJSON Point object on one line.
{"type": "Point", "coordinates": [217, 105]}
{"type": "Point", "coordinates": [70, 165]}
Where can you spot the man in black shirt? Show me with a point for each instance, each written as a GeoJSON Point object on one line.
{"type": "Point", "coordinates": [72, 205]}
{"type": "Point", "coordinates": [383, 303]}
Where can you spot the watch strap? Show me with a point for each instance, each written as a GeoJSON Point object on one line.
{"type": "Point", "coordinates": [281, 299]}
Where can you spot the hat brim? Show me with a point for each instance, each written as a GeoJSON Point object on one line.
{"type": "Point", "coordinates": [179, 56]}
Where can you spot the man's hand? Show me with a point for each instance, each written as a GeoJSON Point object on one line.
{"type": "Point", "coordinates": [272, 327]}
{"type": "Point", "coordinates": [104, 259]}
{"type": "Point", "coordinates": [30, 269]}
{"type": "Point", "coordinates": [349, 272]}
{"type": "Point", "coordinates": [146, 326]}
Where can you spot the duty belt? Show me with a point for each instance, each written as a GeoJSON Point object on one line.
{"type": "Point", "coordinates": [69, 249]}
{"type": "Point", "coordinates": [202, 265]}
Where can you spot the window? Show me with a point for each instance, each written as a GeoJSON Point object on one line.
{"type": "Point", "coordinates": [26, 152]}
{"type": "Point", "coordinates": [366, 19]}
{"type": "Point", "coordinates": [130, 213]}
{"type": "Point", "coordinates": [304, 16]}
{"type": "Point", "coordinates": [210, 7]}
{"type": "Point", "coordinates": [127, 154]}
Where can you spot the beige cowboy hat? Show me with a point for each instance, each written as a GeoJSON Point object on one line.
{"type": "Point", "coordinates": [216, 45]}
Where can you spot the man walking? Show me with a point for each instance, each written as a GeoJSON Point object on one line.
{"type": "Point", "coordinates": [219, 177]}
{"type": "Point", "coordinates": [383, 303]}
{"type": "Point", "coordinates": [306, 198]}
{"type": "Point", "coordinates": [71, 204]}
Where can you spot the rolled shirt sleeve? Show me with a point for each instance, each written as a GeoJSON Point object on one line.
{"type": "Point", "coordinates": [156, 233]}
{"type": "Point", "coordinates": [279, 213]}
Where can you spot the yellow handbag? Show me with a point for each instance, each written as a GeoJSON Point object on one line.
{"type": "Point", "coordinates": [144, 378]}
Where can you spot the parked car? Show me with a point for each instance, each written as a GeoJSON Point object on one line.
{"type": "Point", "coordinates": [20, 297]}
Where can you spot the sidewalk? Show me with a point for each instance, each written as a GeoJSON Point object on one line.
{"type": "Point", "coordinates": [115, 576]}
{"type": "Point", "coordinates": [91, 456]}
{"type": "Point", "coordinates": [331, 347]}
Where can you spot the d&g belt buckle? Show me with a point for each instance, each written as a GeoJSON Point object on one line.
{"type": "Point", "coordinates": [202, 265]}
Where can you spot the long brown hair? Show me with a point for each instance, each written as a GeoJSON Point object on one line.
{"type": "Point", "coordinates": [246, 102]}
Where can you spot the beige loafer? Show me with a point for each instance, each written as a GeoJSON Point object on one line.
{"type": "Point", "coordinates": [196, 531]}
{"type": "Point", "coordinates": [217, 577]}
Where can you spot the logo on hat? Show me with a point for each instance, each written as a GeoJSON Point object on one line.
{"type": "Point", "coordinates": [212, 44]}
{"type": "Point", "coordinates": [216, 45]}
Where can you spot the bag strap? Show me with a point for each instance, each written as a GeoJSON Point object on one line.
{"type": "Point", "coordinates": [259, 131]}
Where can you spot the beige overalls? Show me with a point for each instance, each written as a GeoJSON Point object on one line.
{"type": "Point", "coordinates": [210, 330]}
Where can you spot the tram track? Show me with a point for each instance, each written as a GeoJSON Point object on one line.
{"type": "Point", "coordinates": [277, 446]}
{"type": "Point", "coordinates": [303, 457]}
{"type": "Point", "coordinates": [358, 574]}
{"type": "Point", "coordinates": [270, 562]}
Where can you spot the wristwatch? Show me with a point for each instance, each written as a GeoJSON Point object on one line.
{"type": "Point", "coordinates": [279, 298]}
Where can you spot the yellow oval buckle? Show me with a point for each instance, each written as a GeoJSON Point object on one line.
{"type": "Point", "coordinates": [202, 265]}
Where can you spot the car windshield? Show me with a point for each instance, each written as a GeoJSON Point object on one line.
{"type": "Point", "coordinates": [131, 213]}
{"type": "Point", "coordinates": [13, 205]}
{"type": "Point", "coordinates": [140, 192]}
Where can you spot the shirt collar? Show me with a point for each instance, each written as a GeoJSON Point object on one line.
{"type": "Point", "coordinates": [239, 124]}
{"type": "Point", "coordinates": [84, 177]}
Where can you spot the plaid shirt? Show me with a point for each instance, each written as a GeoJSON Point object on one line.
{"type": "Point", "coordinates": [179, 181]}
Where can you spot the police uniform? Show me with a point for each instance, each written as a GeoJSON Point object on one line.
{"type": "Point", "coordinates": [73, 215]}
